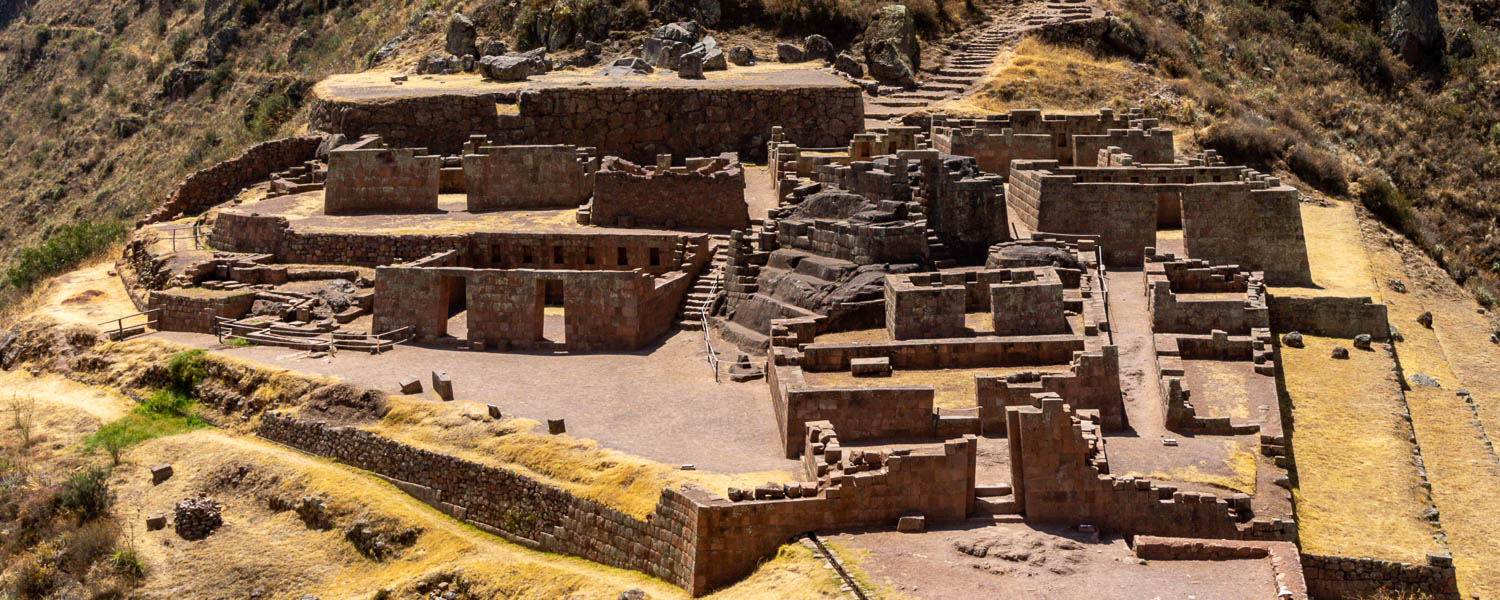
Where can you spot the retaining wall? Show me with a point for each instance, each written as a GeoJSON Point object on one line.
{"type": "Point", "coordinates": [1329, 315]}
{"type": "Point", "coordinates": [221, 182]}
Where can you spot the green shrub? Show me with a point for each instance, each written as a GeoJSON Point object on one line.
{"type": "Point", "coordinates": [268, 116]}
{"type": "Point", "coordinates": [66, 248]}
{"type": "Point", "coordinates": [41, 34]}
{"type": "Point", "coordinates": [1320, 169]}
{"type": "Point", "coordinates": [36, 579]}
{"type": "Point", "coordinates": [180, 43]}
{"type": "Point", "coordinates": [184, 371]}
{"type": "Point", "coordinates": [86, 493]}
{"type": "Point", "coordinates": [1380, 196]}
{"type": "Point", "coordinates": [122, 20]}
{"type": "Point", "coordinates": [128, 562]}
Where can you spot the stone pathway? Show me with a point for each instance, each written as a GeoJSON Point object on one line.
{"type": "Point", "coordinates": [973, 54]}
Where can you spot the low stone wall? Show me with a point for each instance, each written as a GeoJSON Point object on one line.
{"type": "Point", "coordinates": [966, 353]}
{"type": "Point", "coordinates": [219, 183]}
{"type": "Point", "coordinates": [1286, 561]}
{"type": "Point", "coordinates": [920, 305]}
{"type": "Point", "coordinates": [859, 243]}
{"type": "Point", "coordinates": [709, 193]}
{"type": "Point", "coordinates": [1330, 577]}
{"type": "Point", "coordinates": [859, 413]}
{"type": "Point", "coordinates": [1092, 382]}
{"type": "Point", "coordinates": [194, 310]}
{"type": "Point", "coordinates": [512, 505]}
{"type": "Point", "coordinates": [375, 179]}
{"type": "Point", "coordinates": [1331, 316]}
{"type": "Point", "coordinates": [1060, 474]}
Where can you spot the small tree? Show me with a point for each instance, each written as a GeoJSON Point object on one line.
{"type": "Point", "coordinates": [86, 493]}
{"type": "Point", "coordinates": [23, 417]}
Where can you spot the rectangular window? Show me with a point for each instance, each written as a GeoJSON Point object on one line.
{"type": "Point", "coordinates": [588, 256]}
{"type": "Point", "coordinates": [621, 258]}
{"type": "Point", "coordinates": [656, 257]}
{"type": "Point", "coordinates": [557, 255]}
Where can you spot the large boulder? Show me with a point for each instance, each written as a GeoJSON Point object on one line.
{"type": "Point", "coordinates": [817, 47]}
{"type": "Point", "coordinates": [462, 36]}
{"type": "Point", "coordinates": [511, 68]}
{"type": "Point", "coordinates": [439, 63]}
{"type": "Point", "coordinates": [686, 32]}
{"type": "Point", "coordinates": [891, 49]}
{"type": "Point", "coordinates": [691, 65]}
{"type": "Point", "coordinates": [713, 56]}
{"type": "Point", "coordinates": [847, 65]}
{"type": "Point", "coordinates": [1413, 32]}
{"type": "Point", "coordinates": [663, 53]}
{"type": "Point", "coordinates": [627, 66]}
{"type": "Point", "coordinates": [788, 53]}
{"type": "Point", "coordinates": [488, 46]}
{"type": "Point", "coordinates": [182, 80]}
{"type": "Point", "coordinates": [741, 55]}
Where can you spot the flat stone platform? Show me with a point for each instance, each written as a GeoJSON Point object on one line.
{"type": "Point", "coordinates": [635, 117]}
{"type": "Point", "coordinates": [376, 86]}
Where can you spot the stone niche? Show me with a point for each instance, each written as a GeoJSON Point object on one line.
{"type": "Point", "coordinates": [706, 193]}
{"type": "Point", "coordinates": [366, 176]}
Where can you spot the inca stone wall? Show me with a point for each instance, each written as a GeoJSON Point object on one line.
{"type": "Point", "coordinates": [972, 353]}
{"type": "Point", "coordinates": [1059, 474]}
{"type": "Point", "coordinates": [194, 310]}
{"type": "Point", "coordinates": [1348, 577]}
{"type": "Point", "coordinates": [1145, 146]}
{"type": "Point", "coordinates": [219, 183]}
{"type": "Point", "coordinates": [709, 193]}
{"type": "Point", "coordinates": [1330, 316]}
{"type": "Point", "coordinates": [518, 177]}
{"type": "Point", "coordinates": [859, 413]}
{"type": "Point", "coordinates": [919, 306]}
{"type": "Point", "coordinates": [634, 122]}
{"type": "Point", "coordinates": [374, 179]}
{"type": "Point", "coordinates": [1092, 382]}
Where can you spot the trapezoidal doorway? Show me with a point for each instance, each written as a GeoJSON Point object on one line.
{"type": "Point", "coordinates": [554, 311]}
{"type": "Point", "coordinates": [453, 296]}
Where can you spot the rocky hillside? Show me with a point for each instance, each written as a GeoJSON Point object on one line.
{"type": "Point", "coordinates": [1388, 101]}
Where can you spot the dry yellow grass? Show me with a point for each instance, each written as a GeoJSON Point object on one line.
{"type": "Point", "coordinates": [1340, 264]}
{"type": "Point", "coordinates": [1039, 75]}
{"type": "Point", "coordinates": [1227, 386]}
{"type": "Point", "coordinates": [952, 388]}
{"type": "Point", "coordinates": [1239, 460]}
{"type": "Point", "coordinates": [275, 552]}
{"type": "Point", "coordinates": [1465, 477]}
{"type": "Point", "coordinates": [628, 483]}
{"type": "Point", "coordinates": [1358, 493]}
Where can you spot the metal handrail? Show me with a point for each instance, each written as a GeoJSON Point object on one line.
{"type": "Point", "coordinates": [197, 233]}
{"type": "Point", "coordinates": [1104, 289]}
{"type": "Point", "coordinates": [120, 322]}
{"type": "Point", "coordinates": [708, 345]}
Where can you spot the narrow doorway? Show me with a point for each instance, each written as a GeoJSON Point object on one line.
{"type": "Point", "coordinates": [554, 311]}
{"type": "Point", "coordinates": [453, 297]}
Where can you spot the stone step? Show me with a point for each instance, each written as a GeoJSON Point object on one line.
{"type": "Point", "coordinates": [899, 104]}
{"type": "Point", "coordinates": [996, 519]}
{"type": "Point", "coordinates": [989, 491]}
{"type": "Point", "coordinates": [962, 81]}
{"type": "Point", "coordinates": [952, 72]}
{"type": "Point", "coordinates": [995, 506]}
{"type": "Point", "coordinates": [925, 96]}
{"type": "Point", "coordinates": [947, 88]}
{"type": "Point", "coordinates": [689, 325]}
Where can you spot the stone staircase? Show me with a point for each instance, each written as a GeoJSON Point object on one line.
{"type": "Point", "coordinates": [995, 504]}
{"type": "Point", "coordinates": [942, 257]}
{"type": "Point", "coordinates": [971, 57]}
{"type": "Point", "coordinates": [704, 292]}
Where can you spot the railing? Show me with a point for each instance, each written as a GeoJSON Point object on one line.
{"type": "Point", "coordinates": [197, 233]}
{"type": "Point", "coordinates": [1104, 289]}
{"type": "Point", "coordinates": [708, 344]}
{"type": "Point", "coordinates": [329, 343]}
{"type": "Point", "coordinates": [120, 322]}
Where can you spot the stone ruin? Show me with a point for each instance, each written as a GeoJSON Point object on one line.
{"type": "Point", "coordinates": [1007, 253]}
{"type": "Point", "coordinates": [196, 518]}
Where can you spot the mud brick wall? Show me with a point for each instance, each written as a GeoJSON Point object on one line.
{"type": "Point", "coordinates": [195, 310]}
{"type": "Point", "coordinates": [1059, 474]}
{"type": "Point", "coordinates": [516, 177]}
{"type": "Point", "coordinates": [1330, 316]}
{"type": "Point", "coordinates": [1123, 216]}
{"type": "Point", "coordinates": [1028, 307]}
{"type": "Point", "coordinates": [859, 413]}
{"type": "Point", "coordinates": [1257, 229]}
{"type": "Point", "coordinates": [381, 180]}
{"type": "Point", "coordinates": [510, 504]}
{"type": "Point", "coordinates": [221, 182]}
{"type": "Point", "coordinates": [1346, 577]}
{"type": "Point", "coordinates": [707, 194]}
{"type": "Point", "coordinates": [1148, 147]}
{"type": "Point", "coordinates": [950, 353]}
{"type": "Point", "coordinates": [1286, 561]}
{"type": "Point", "coordinates": [1092, 382]}
{"type": "Point", "coordinates": [919, 306]}
{"type": "Point", "coordinates": [994, 151]}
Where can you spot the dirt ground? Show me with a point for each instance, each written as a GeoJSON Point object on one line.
{"type": "Point", "coordinates": [1021, 561]}
{"type": "Point", "coordinates": [660, 402]}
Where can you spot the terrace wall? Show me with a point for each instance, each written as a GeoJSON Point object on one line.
{"type": "Point", "coordinates": [709, 193]}
{"type": "Point", "coordinates": [519, 177]}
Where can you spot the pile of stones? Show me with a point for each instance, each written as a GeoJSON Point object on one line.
{"type": "Point", "coordinates": [195, 518]}
{"type": "Point", "coordinates": [684, 48]}
{"type": "Point", "coordinates": [465, 51]}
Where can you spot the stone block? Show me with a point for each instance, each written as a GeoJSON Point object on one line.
{"type": "Point", "coordinates": [411, 385]}
{"type": "Point", "coordinates": [155, 522]}
{"type": "Point", "coordinates": [912, 523]}
{"type": "Point", "coordinates": [870, 367]}
{"type": "Point", "coordinates": [556, 426]}
{"type": "Point", "coordinates": [494, 411]}
{"type": "Point", "coordinates": [442, 385]}
{"type": "Point", "coordinates": [160, 473]}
